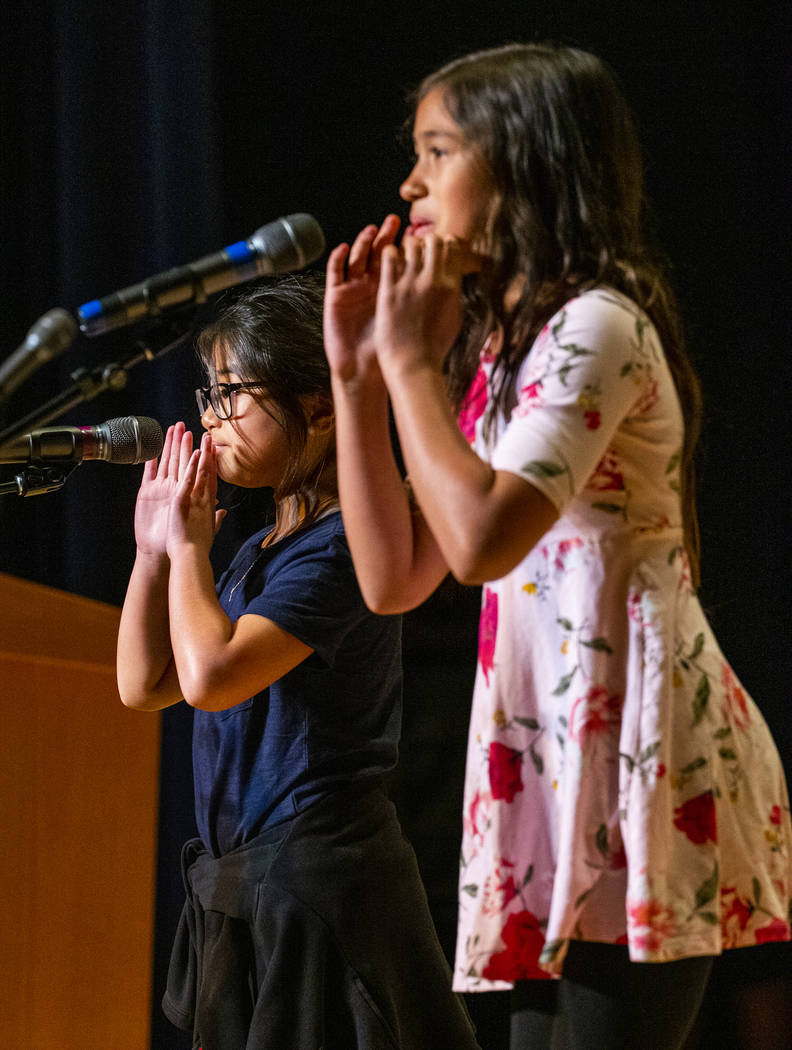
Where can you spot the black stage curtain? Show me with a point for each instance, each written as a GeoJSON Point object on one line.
{"type": "Point", "coordinates": [140, 135]}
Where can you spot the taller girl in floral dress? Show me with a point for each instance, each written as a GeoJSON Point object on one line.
{"type": "Point", "coordinates": [624, 805]}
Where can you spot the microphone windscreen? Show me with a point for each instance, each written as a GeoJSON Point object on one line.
{"type": "Point", "coordinates": [289, 243]}
{"type": "Point", "coordinates": [133, 439]}
{"type": "Point", "coordinates": [52, 334]}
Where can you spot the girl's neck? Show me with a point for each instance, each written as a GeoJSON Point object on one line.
{"type": "Point", "coordinates": [303, 508]}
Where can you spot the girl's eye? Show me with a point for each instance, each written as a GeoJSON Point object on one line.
{"type": "Point", "coordinates": [432, 152]}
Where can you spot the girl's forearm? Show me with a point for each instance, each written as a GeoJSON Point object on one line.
{"type": "Point", "coordinates": [448, 478]}
{"type": "Point", "coordinates": [199, 629]}
{"type": "Point", "coordinates": [396, 562]}
{"type": "Point", "coordinates": [483, 521]}
{"type": "Point", "coordinates": [145, 672]}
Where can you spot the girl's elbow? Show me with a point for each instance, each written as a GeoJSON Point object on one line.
{"type": "Point", "coordinates": [391, 598]}
{"type": "Point", "coordinates": [382, 603]}
{"type": "Point", "coordinates": [471, 564]}
{"type": "Point", "coordinates": [482, 557]}
{"type": "Point", "coordinates": [200, 692]}
{"type": "Point", "coordinates": [208, 688]}
{"type": "Point", "coordinates": [137, 700]}
{"type": "Point", "coordinates": [142, 689]}
{"type": "Point", "coordinates": [480, 567]}
{"type": "Point", "coordinates": [131, 700]}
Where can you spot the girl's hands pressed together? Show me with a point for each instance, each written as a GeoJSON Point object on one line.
{"type": "Point", "coordinates": [157, 487]}
{"type": "Point", "coordinates": [193, 520]}
{"type": "Point", "coordinates": [419, 302]}
{"type": "Point", "coordinates": [352, 279]}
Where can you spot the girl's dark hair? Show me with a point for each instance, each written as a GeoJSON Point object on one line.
{"type": "Point", "coordinates": [559, 139]}
{"type": "Point", "coordinates": [272, 334]}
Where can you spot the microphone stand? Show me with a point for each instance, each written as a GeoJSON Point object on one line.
{"type": "Point", "coordinates": [36, 480]}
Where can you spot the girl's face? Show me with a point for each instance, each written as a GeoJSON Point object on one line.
{"type": "Point", "coordinates": [252, 448]}
{"type": "Point", "coordinates": [450, 189]}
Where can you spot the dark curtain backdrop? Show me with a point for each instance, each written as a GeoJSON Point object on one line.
{"type": "Point", "coordinates": [137, 136]}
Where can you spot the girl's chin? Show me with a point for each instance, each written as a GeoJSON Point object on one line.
{"type": "Point", "coordinates": [242, 479]}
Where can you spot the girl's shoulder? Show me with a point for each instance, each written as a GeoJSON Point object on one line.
{"type": "Point", "coordinates": [598, 321]}
{"type": "Point", "coordinates": [599, 307]}
{"type": "Point", "coordinates": [324, 530]}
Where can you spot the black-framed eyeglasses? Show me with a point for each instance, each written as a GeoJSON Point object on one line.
{"type": "Point", "coordinates": [221, 396]}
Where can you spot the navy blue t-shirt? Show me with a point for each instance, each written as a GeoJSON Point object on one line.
{"type": "Point", "coordinates": [334, 718]}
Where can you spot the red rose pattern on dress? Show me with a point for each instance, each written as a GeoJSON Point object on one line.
{"type": "Point", "coordinates": [696, 818]}
{"type": "Point", "coordinates": [488, 630]}
{"type": "Point", "coordinates": [505, 765]}
{"type": "Point", "coordinates": [473, 406]}
{"type": "Point", "coordinates": [519, 961]}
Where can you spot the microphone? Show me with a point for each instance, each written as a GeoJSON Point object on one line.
{"type": "Point", "coordinates": [287, 244]}
{"type": "Point", "coordinates": [130, 439]}
{"type": "Point", "coordinates": [50, 335]}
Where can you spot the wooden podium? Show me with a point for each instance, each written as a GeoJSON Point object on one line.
{"type": "Point", "coordinates": [78, 817]}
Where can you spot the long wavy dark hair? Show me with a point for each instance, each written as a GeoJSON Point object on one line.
{"type": "Point", "coordinates": [272, 334]}
{"type": "Point", "coordinates": [554, 128]}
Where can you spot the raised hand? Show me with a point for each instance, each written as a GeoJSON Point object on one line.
{"type": "Point", "coordinates": [350, 298]}
{"type": "Point", "coordinates": [419, 300]}
{"type": "Point", "coordinates": [193, 519]}
{"type": "Point", "coordinates": [157, 487]}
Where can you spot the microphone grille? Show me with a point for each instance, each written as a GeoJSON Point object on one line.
{"type": "Point", "coordinates": [133, 439]}
{"type": "Point", "coordinates": [290, 243]}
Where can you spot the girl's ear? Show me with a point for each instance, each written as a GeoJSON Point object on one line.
{"type": "Point", "coordinates": [320, 413]}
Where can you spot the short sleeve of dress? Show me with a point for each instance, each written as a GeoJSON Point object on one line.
{"type": "Point", "coordinates": [587, 368]}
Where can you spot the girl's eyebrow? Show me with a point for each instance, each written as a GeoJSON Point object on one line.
{"type": "Point", "coordinates": [426, 136]}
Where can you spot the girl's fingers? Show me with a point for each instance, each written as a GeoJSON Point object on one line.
{"type": "Point", "coordinates": [172, 436]}
{"type": "Point", "coordinates": [172, 470]}
{"type": "Point", "coordinates": [460, 258]}
{"type": "Point", "coordinates": [433, 256]}
{"type": "Point", "coordinates": [386, 235]}
{"type": "Point", "coordinates": [358, 261]}
{"type": "Point", "coordinates": [390, 266]}
{"type": "Point", "coordinates": [351, 263]}
{"type": "Point", "coordinates": [162, 463]}
{"type": "Point", "coordinates": [206, 475]}
{"type": "Point", "coordinates": [413, 250]}
{"type": "Point", "coordinates": [213, 471]}
{"type": "Point", "coordinates": [189, 473]}
{"type": "Point", "coordinates": [185, 452]}
{"type": "Point", "coordinates": [336, 265]}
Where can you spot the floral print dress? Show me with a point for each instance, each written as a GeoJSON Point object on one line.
{"type": "Point", "coordinates": [621, 786]}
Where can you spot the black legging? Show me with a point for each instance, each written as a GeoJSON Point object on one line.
{"type": "Point", "coordinates": [605, 1002]}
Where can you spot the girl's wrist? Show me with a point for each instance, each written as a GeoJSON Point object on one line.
{"type": "Point", "coordinates": [398, 368]}
{"type": "Point", "coordinates": [187, 548]}
{"type": "Point", "coordinates": [365, 383]}
{"type": "Point", "coordinates": [152, 562]}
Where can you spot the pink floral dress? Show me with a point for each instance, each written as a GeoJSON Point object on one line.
{"type": "Point", "coordinates": [621, 786]}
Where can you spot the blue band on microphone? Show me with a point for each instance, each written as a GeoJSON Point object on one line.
{"type": "Point", "coordinates": [239, 253]}
{"type": "Point", "coordinates": [90, 310]}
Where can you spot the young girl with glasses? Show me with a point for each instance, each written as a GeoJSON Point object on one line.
{"type": "Point", "coordinates": [626, 816]}
{"type": "Point", "coordinates": [305, 923]}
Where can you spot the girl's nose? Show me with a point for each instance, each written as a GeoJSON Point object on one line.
{"type": "Point", "coordinates": [412, 189]}
{"type": "Point", "coordinates": [209, 418]}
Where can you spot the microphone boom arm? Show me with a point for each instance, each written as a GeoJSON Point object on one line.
{"type": "Point", "coordinates": [89, 384]}
{"type": "Point", "coordinates": [36, 481]}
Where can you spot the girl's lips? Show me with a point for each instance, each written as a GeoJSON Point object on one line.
{"type": "Point", "coordinates": [418, 227]}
